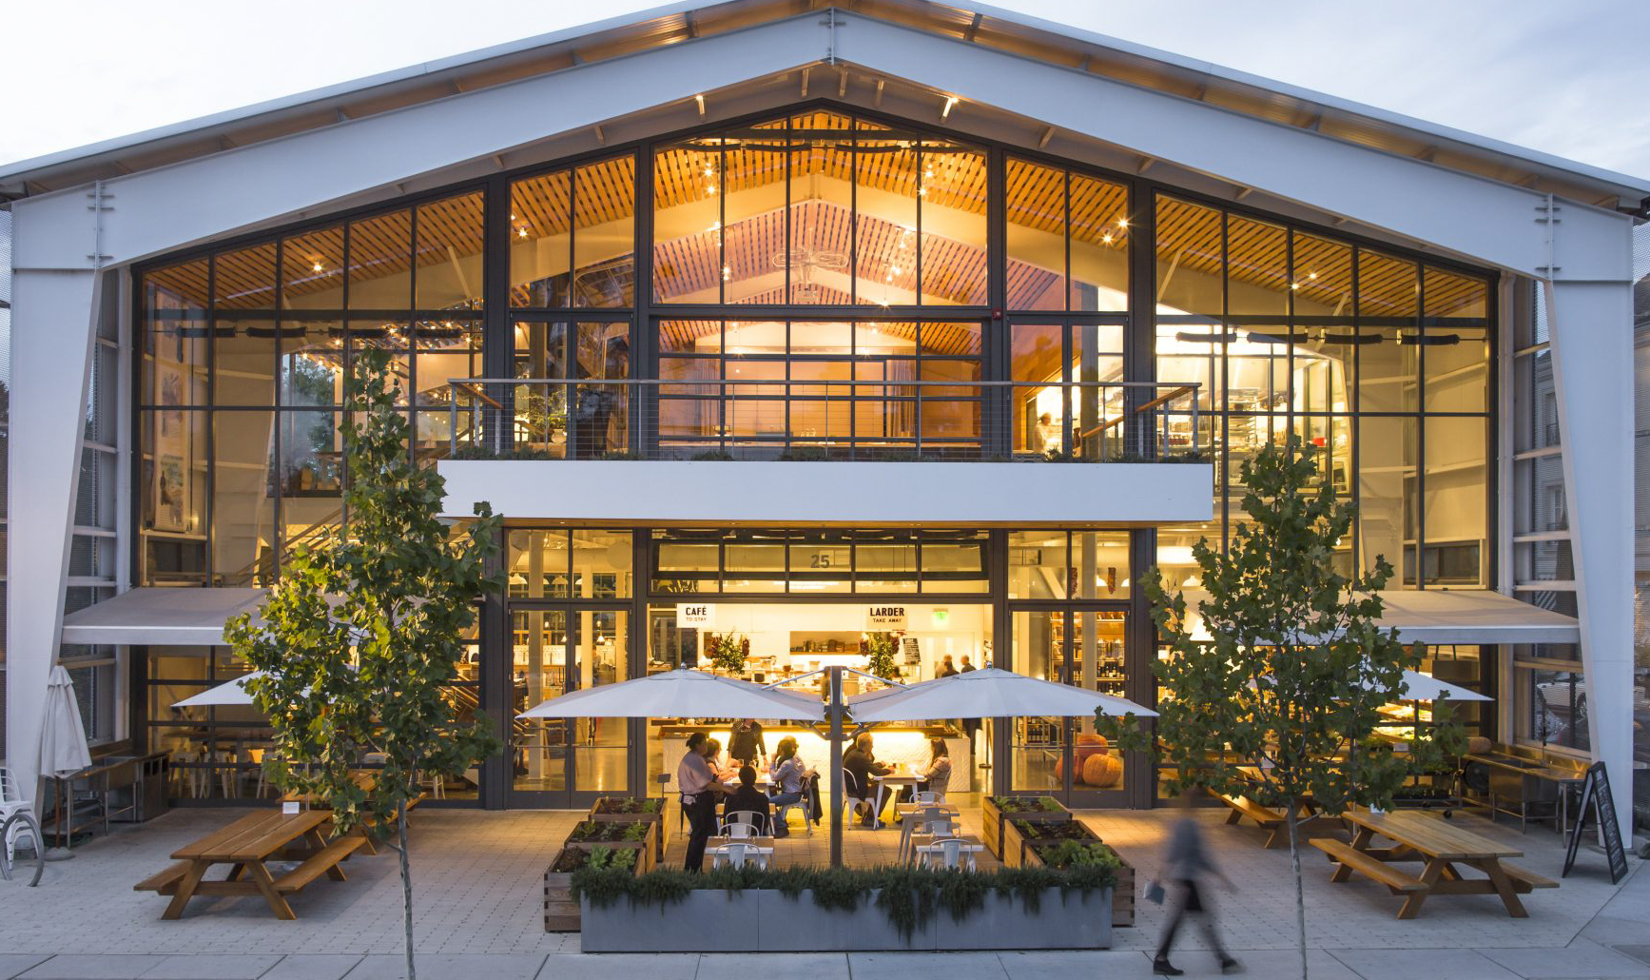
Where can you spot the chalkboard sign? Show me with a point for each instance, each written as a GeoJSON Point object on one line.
{"type": "Point", "coordinates": [1595, 790]}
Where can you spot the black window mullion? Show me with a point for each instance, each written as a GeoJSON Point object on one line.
{"type": "Point", "coordinates": [210, 558]}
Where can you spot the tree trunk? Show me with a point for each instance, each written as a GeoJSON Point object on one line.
{"type": "Point", "coordinates": [1300, 893]}
{"type": "Point", "coordinates": [406, 885]}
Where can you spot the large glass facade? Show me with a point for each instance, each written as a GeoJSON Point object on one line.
{"type": "Point", "coordinates": [1378, 363]}
{"type": "Point", "coordinates": [825, 284]}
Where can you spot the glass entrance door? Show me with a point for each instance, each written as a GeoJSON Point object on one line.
{"type": "Point", "coordinates": [557, 762]}
{"type": "Point", "coordinates": [1065, 757]}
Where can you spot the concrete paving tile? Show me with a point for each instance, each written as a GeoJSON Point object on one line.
{"type": "Point", "coordinates": [791, 966]}
{"type": "Point", "coordinates": [212, 966]}
{"type": "Point", "coordinates": [1614, 930]}
{"type": "Point", "coordinates": [11, 964]}
{"type": "Point", "coordinates": [312, 966]}
{"type": "Point", "coordinates": [1269, 963]}
{"type": "Point", "coordinates": [450, 966]}
{"type": "Point", "coordinates": [1581, 960]}
{"type": "Point", "coordinates": [1406, 964]}
{"type": "Point", "coordinates": [621, 966]}
{"type": "Point", "coordinates": [92, 966]}
{"type": "Point", "coordinates": [1113, 964]}
{"type": "Point", "coordinates": [1640, 953]}
{"type": "Point", "coordinates": [926, 966]}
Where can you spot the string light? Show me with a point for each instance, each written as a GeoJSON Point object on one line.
{"type": "Point", "coordinates": [317, 267]}
{"type": "Point", "coordinates": [1122, 222]}
{"type": "Point", "coordinates": [521, 233]}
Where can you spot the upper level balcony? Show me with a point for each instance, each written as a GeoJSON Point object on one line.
{"type": "Point", "coordinates": [723, 451]}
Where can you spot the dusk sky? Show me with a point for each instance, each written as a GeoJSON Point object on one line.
{"type": "Point", "coordinates": [1568, 78]}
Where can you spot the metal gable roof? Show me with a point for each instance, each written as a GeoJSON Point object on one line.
{"type": "Point", "coordinates": [677, 23]}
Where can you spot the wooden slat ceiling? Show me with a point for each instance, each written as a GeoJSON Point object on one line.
{"type": "Point", "coordinates": [944, 175]}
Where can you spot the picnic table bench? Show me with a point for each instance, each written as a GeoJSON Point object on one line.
{"type": "Point", "coordinates": [1444, 849]}
{"type": "Point", "coordinates": [1272, 820]}
{"type": "Point", "coordinates": [363, 778]}
{"type": "Point", "coordinates": [246, 845]}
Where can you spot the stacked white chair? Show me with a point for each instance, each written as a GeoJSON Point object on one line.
{"type": "Point", "coordinates": [12, 801]}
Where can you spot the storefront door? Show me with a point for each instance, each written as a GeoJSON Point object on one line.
{"type": "Point", "coordinates": [1065, 757]}
{"type": "Point", "coordinates": [559, 763]}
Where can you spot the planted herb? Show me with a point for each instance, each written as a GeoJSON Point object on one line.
{"type": "Point", "coordinates": [1027, 804]}
{"type": "Point", "coordinates": [1065, 830]}
{"type": "Point", "coordinates": [591, 831]}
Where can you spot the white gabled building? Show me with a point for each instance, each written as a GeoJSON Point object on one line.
{"type": "Point", "coordinates": [836, 275]}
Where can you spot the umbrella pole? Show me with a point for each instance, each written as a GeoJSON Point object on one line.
{"type": "Point", "coordinates": [836, 709]}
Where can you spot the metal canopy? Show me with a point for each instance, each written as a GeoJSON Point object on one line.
{"type": "Point", "coordinates": [1476, 616]}
{"type": "Point", "coordinates": [161, 617]}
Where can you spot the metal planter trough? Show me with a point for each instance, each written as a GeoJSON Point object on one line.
{"type": "Point", "coordinates": [769, 923]}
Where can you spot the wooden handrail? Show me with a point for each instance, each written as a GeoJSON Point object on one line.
{"type": "Point", "coordinates": [1154, 403]}
{"type": "Point", "coordinates": [478, 393]}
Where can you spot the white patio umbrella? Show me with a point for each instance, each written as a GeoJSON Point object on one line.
{"type": "Point", "coordinates": [63, 748]}
{"type": "Point", "coordinates": [224, 695]}
{"type": "Point", "coordinates": [990, 692]}
{"type": "Point", "coordinates": [681, 693]}
{"type": "Point", "coordinates": [1417, 686]}
{"type": "Point", "coordinates": [1423, 687]}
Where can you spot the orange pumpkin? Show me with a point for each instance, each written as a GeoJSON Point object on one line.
{"type": "Point", "coordinates": [1103, 771]}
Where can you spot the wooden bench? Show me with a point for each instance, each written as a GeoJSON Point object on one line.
{"type": "Point", "coordinates": [319, 863]}
{"type": "Point", "coordinates": [1524, 879]}
{"type": "Point", "coordinates": [166, 882]}
{"type": "Point", "coordinates": [1351, 859]}
{"type": "Point", "coordinates": [1266, 818]}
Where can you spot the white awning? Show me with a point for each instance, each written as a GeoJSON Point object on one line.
{"type": "Point", "coordinates": [1474, 616]}
{"type": "Point", "coordinates": [1446, 616]}
{"type": "Point", "coordinates": [161, 617]}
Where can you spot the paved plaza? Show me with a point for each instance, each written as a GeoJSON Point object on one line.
{"type": "Point", "coordinates": [478, 890]}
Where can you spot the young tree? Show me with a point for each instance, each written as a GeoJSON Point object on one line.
{"type": "Point", "coordinates": [362, 635]}
{"type": "Point", "coordinates": [1277, 698]}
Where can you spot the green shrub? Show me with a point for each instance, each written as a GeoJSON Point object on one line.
{"type": "Point", "coordinates": [910, 896]}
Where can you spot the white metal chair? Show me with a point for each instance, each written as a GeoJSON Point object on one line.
{"type": "Point", "coordinates": [782, 811]}
{"type": "Point", "coordinates": [12, 801]}
{"type": "Point", "coordinates": [740, 824]}
{"type": "Point", "coordinates": [947, 852]}
{"type": "Point", "coordinates": [851, 797]}
{"type": "Point", "coordinates": [931, 821]}
{"type": "Point", "coordinates": [737, 853]}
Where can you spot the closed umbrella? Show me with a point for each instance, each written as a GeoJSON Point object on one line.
{"type": "Point", "coordinates": [990, 692]}
{"type": "Point", "coordinates": [681, 693]}
{"type": "Point", "coordinates": [63, 748]}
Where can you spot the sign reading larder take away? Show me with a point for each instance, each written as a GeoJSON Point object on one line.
{"type": "Point", "coordinates": [695, 614]}
{"type": "Point", "coordinates": [883, 618]}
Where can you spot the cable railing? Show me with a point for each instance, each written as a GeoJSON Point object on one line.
{"type": "Point", "coordinates": [762, 418]}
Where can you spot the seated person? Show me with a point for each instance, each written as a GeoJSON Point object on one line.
{"type": "Point", "coordinates": [790, 779]}
{"type": "Point", "coordinates": [746, 797]}
{"type": "Point", "coordinates": [718, 764]}
{"type": "Point", "coordinates": [936, 777]}
{"type": "Point", "coordinates": [862, 766]}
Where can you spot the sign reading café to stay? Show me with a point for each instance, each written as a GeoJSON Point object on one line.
{"type": "Point", "coordinates": [695, 614]}
{"type": "Point", "coordinates": [885, 617]}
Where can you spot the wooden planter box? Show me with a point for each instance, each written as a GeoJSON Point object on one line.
{"type": "Point", "coordinates": [769, 923]}
{"type": "Point", "coordinates": [1014, 842]}
{"type": "Point", "coordinates": [661, 828]}
{"type": "Point", "coordinates": [648, 845]}
{"type": "Point", "coordinates": [561, 912]}
{"type": "Point", "coordinates": [1122, 899]}
{"type": "Point", "coordinates": [992, 823]}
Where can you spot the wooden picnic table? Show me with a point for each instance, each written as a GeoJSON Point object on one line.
{"type": "Point", "coordinates": [246, 845]}
{"type": "Point", "coordinates": [1443, 847]}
